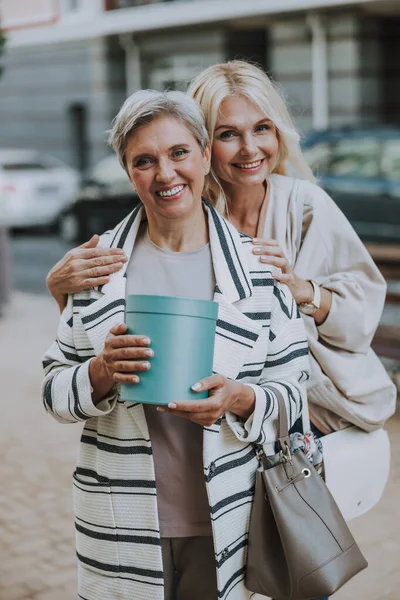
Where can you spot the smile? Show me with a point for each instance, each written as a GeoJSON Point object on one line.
{"type": "Point", "coordinates": [175, 191]}
{"type": "Point", "coordinates": [249, 166]}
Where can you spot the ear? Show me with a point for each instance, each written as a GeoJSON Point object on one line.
{"type": "Point", "coordinates": [207, 158]}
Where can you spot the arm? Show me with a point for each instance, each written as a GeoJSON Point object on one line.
{"type": "Point", "coordinates": [271, 253]}
{"type": "Point", "coordinates": [66, 389]}
{"type": "Point", "coordinates": [83, 268]}
{"type": "Point", "coordinates": [352, 288]}
{"type": "Point", "coordinates": [343, 267]}
{"type": "Point", "coordinates": [286, 369]}
{"type": "Point", "coordinates": [77, 389]}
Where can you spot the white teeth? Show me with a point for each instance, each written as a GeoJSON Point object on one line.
{"type": "Point", "coordinates": [252, 165]}
{"type": "Point", "coordinates": [172, 191]}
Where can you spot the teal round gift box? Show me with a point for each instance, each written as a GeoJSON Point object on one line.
{"type": "Point", "coordinates": [182, 333]}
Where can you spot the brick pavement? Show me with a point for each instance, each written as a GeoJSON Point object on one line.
{"type": "Point", "coordinates": [37, 555]}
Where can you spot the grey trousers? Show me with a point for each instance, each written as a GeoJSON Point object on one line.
{"type": "Point", "coordinates": [189, 568]}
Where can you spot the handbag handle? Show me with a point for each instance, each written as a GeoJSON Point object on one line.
{"type": "Point", "coordinates": [283, 424]}
{"type": "Point", "coordinates": [299, 213]}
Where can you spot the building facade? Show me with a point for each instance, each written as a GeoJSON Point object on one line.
{"type": "Point", "coordinates": [70, 63]}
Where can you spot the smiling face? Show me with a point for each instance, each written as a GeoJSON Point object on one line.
{"type": "Point", "coordinates": [245, 147]}
{"type": "Point", "coordinates": [167, 167]}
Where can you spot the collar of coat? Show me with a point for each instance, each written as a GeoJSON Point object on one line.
{"type": "Point", "coordinates": [236, 332]}
{"type": "Point", "coordinates": [230, 265]}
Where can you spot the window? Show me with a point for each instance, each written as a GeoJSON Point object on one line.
{"type": "Point", "coordinates": [74, 5]}
{"type": "Point", "coordinates": [391, 160]}
{"type": "Point", "coordinates": [24, 166]}
{"type": "Point", "coordinates": [174, 71]}
{"type": "Point", "coordinates": [130, 3]}
{"type": "Point", "coordinates": [71, 6]}
{"type": "Point", "coordinates": [355, 158]}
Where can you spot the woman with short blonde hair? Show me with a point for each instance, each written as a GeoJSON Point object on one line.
{"type": "Point", "coordinates": [163, 494]}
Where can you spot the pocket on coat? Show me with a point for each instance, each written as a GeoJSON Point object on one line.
{"type": "Point", "coordinates": [96, 534]}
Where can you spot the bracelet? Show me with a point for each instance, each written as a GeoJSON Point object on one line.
{"type": "Point", "coordinates": [309, 308]}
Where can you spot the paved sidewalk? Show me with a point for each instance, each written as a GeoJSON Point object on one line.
{"type": "Point", "coordinates": [37, 554]}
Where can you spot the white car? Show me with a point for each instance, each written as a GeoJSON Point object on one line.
{"type": "Point", "coordinates": [34, 188]}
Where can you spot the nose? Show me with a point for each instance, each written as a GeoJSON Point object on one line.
{"type": "Point", "coordinates": [248, 146]}
{"type": "Point", "coordinates": [165, 171]}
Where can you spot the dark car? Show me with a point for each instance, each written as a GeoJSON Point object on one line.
{"type": "Point", "coordinates": [360, 170]}
{"type": "Point", "coordinates": [106, 197]}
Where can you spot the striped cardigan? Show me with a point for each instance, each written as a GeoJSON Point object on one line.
{"type": "Point", "coordinates": [260, 340]}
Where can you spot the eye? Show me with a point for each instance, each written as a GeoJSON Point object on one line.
{"type": "Point", "coordinates": [142, 163]}
{"type": "Point", "coordinates": [227, 135]}
{"type": "Point", "coordinates": [263, 127]}
{"type": "Point", "coordinates": [180, 153]}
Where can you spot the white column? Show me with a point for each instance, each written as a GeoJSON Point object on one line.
{"type": "Point", "coordinates": [319, 51]}
{"type": "Point", "coordinates": [133, 69]}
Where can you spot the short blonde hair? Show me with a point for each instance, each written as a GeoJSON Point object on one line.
{"type": "Point", "coordinates": [239, 78]}
{"type": "Point", "coordinates": [142, 107]}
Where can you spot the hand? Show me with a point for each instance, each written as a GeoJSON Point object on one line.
{"type": "Point", "coordinates": [270, 253]}
{"type": "Point", "coordinates": [225, 394]}
{"type": "Point", "coordinates": [83, 268]}
{"type": "Point", "coordinates": [123, 356]}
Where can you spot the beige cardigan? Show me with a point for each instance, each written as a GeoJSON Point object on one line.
{"type": "Point", "coordinates": [348, 383]}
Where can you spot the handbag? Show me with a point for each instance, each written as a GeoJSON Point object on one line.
{"type": "Point", "coordinates": [299, 546]}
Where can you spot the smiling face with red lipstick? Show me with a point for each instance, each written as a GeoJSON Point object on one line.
{"type": "Point", "coordinates": [167, 167]}
{"type": "Point", "coordinates": [245, 146]}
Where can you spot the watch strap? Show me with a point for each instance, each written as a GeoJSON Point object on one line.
{"type": "Point", "coordinates": [317, 294]}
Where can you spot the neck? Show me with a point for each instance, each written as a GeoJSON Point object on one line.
{"type": "Point", "coordinates": [244, 205]}
{"type": "Point", "coordinates": [183, 234]}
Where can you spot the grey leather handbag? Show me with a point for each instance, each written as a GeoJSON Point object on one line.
{"type": "Point", "coordinates": [299, 545]}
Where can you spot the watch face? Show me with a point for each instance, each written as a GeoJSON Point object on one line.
{"type": "Point", "coordinates": [308, 309]}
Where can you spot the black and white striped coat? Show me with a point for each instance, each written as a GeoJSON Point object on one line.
{"type": "Point", "coordinates": [260, 340]}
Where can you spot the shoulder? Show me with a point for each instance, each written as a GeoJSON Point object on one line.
{"type": "Point", "coordinates": [314, 196]}
{"type": "Point", "coordinates": [321, 211]}
{"type": "Point", "coordinates": [311, 193]}
{"type": "Point", "coordinates": [294, 189]}
{"type": "Point", "coordinates": [253, 260]}
{"type": "Point", "coordinates": [106, 238]}
{"type": "Point", "coordinates": [116, 237]}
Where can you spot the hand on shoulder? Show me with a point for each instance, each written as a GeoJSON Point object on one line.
{"type": "Point", "coordinates": [82, 268]}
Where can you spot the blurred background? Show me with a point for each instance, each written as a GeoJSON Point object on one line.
{"type": "Point", "coordinates": [66, 68]}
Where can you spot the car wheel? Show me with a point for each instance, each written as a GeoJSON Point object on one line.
{"type": "Point", "coordinates": [69, 228]}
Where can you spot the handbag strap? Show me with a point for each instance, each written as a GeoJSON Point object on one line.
{"type": "Point", "coordinates": [283, 424]}
{"type": "Point", "coordinates": [283, 434]}
{"type": "Point", "coordinates": [299, 207]}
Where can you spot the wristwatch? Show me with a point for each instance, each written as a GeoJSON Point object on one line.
{"type": "Point", "coordinates": [309, 308]}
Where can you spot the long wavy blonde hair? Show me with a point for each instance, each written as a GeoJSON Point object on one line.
{"type": "Point", "coordinates": [239, 78]}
